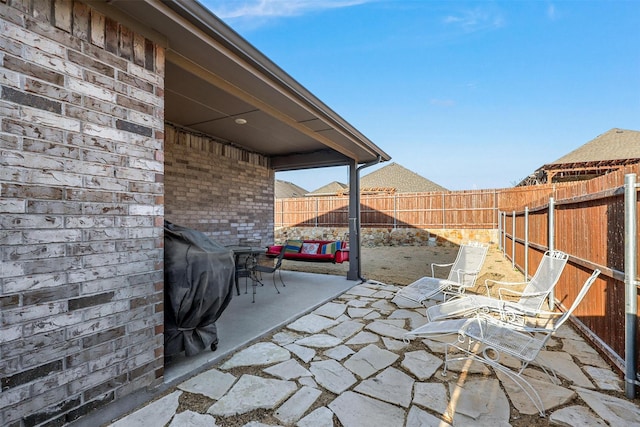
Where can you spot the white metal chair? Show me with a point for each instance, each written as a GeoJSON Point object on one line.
{"type": "Point", "coordinates": [536, 291]}
{"type": "Point", "coordinates": [462, 275]}
{"type": "Point", "coordinates": [487, 338]}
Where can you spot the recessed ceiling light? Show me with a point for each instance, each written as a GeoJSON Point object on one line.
{"type": "Point", "coordinates": [240, 121]}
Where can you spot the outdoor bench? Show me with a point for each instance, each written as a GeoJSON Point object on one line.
{"type": "Point", "coordinates": [334, 251]}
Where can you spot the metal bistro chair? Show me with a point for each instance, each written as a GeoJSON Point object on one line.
{"type": "Point", "coordinates": [488, 338]}
{"type": "Point", "coordinates": [462, 275]}
{"type": "Point", "coordinates": [256, 269]}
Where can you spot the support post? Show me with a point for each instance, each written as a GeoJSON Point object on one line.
{"type": "Point", "coordinates": [354, 222]}
{"type": "Point", "coordinates": [500, 231]}
{"type": "Point", "coordinates": [551, 236]}
{"type": "Point", "coordinates": [526, 243]}
{"type": "Point", "coordinates": [630, 275]}
{"type": "Point", "coordinates": [513, 239]}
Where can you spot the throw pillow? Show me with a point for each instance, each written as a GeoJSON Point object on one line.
{"type": "Point", "coordinates": [293, 246]}
{"type": "Point", "coordinates": [329, 248]}
{"type": "Point", "coordinates": [310, 248]}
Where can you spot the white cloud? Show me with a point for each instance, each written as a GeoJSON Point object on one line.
{"type": "Point", "coordinates": [477, 19]}
{"type": "Point", "coordinates": [226, 9]}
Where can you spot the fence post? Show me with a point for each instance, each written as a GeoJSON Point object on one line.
{"type": "Point", "coordinates": [499, 230]}
{"type": "Point", "coordinates": [513, 241]}
{"type": "Point", "coordinates": [504, 233]}
{"type": "Point", "coordinates": [526, 243]}
{"type": "Point", "coordinates": [395, 211]}
{"type": "Point", "coordinates": [317, 210]}
{"type": "Point", "coordinates": [630, 275]}
{"type": "Point", "coordinates": [551, 240]}
{"type": "Point", "coordinates": [444, 210]}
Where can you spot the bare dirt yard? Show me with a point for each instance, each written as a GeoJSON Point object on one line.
{"type": "Point", "coordinates": [401, 265]}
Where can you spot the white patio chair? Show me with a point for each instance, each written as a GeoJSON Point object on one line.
{"type": "Point", "coordinates": [446, 318]}
{"type": "Point", "coordinates": [488, 338]}
{"type": "Point", "coordinates": [535, 292]}
{"type": "Point", "coordinates": [462, 275]}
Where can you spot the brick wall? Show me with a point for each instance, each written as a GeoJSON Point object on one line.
{"type": "Point", "coordinates": [81, 211]}
{"type": "Point", "coordinates": [222, 190]}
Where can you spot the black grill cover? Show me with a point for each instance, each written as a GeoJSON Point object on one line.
{"type": "Point", "coordinates": [198, 285]}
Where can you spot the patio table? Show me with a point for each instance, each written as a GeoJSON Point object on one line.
{"type": "Point", "coordinates": [244, 252]}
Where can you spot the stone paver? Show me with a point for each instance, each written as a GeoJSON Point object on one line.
{"type": "Point", "coordinates": [339, 352]}
{"type": "Point", "coordinates": [262, 353]}
{"type": "Point", "coordinates": [331, 309]}
{"type": "Point", "coordinates": [551, 395]}
{"type": "Point", "coordinates": [419, 418]}
{"type": "Point", "coordinates": [346, 329]}
{"type": "Point", "coordinates": [357, 410]}
{"type": "Point", "coordinates": [305, 354]}
{"type": "Point", "coordinates": [294, 408]}
{"type": "Point", "coordinates": [432, 396]}
{"type": "Point", "coordinates": [212, 383]}
{"type": "Point", "coordinates": [157, 413]}
{"type": "Point", "coordinates": [604, 378]}
{"type": "Point", "coordinates": [321, 417]}
{"type": "Point", "coordinates": [390, 385]}
{"type": "Point", "coordinates": [252, 392]}
{"type": "Point", "coordinates": [319, 341]}
{"type": "Point", "coordinates": [421, 364]}
{"type": "Point", "coordinates": [311, 323]}
{"type": "Point", "coordinates": [332, 375]}
{"type": "Point", "coordinates": [615, 411]}
{"type": "Point", "coordinates": [370, 360]}
{"type": "Point", "coordinates": [287, 370]}
{"type": "Point", "coordinates": [349, 355]}
{"type": "Point", "coordinates": [576, 416]}
{"type": "Point", "coordinates": [471, 407]}
{"type": "Point", "coordinates": [192, 419]}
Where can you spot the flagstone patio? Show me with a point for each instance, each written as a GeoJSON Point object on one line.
{"type": "Point", "coordinates": [347, 362]}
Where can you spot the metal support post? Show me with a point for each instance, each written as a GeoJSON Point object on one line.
{"type": "Point", "coordinates": [551, 234]}
{"type": "Point", "coordinates": [513, 240]}
{"type": "Point", "coordinates": [630, 275]}
{"type": "Point", "coordinates": [526, 243]}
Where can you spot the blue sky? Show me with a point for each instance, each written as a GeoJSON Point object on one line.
{"type": "Point", "coordinates": [469, 94]}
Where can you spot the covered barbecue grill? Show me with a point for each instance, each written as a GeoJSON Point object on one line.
{"type": "Point", "coordinates": [199, 279]}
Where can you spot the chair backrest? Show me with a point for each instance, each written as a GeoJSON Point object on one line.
{"type": "Point", "coordinates": [468, 263]}
{"type": "Point", "coordinates": [280, 256]}
{"type": "Point", "coordinates": [545, 278]}
{"type": "Point", "coordinates": [579, 298]}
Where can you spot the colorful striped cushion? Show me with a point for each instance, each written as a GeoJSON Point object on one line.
{"type": "Point", "coordinates": [330, 248]}
{"type": "Point", "coordinates": [293, 246]}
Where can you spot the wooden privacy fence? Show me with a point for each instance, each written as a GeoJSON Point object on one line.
{"type": "Point", "coordinates": [472, 209]}
{"type": "Point", "coordinates": [586, 220]}
{"type": "Point", "coordinates": [450, 209]}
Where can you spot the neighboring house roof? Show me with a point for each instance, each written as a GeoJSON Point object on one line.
{"type": "Point", "coordinates": [396, 178]}
{"type": "Point", "coordinates": [330, 189]}
{"type": "Point", "coordinates": [603, 154]}
{"type": "Point", "coordinates": [288, 190]}
{"type": "Point", "coordinates": [615, 144]}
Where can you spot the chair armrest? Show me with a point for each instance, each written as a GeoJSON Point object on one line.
{"type": "Point", "coordinates": [438, 265]}
{"type": "Point", "coordinates": [518, 293]}
{"type": "Point", "coordinates": [497, 282]}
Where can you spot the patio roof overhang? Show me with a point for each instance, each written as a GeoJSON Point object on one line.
{"type": "Point", "coordinates": [214, 76]}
